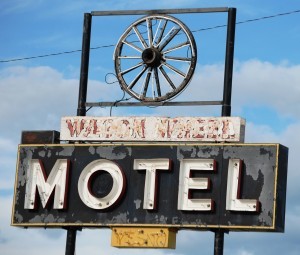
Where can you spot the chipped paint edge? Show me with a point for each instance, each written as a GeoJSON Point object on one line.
{"type": "Point", "coordinates": [15, 187]}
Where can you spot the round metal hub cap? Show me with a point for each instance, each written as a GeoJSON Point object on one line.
{"type": "Point", "coordinates": [151, 57]}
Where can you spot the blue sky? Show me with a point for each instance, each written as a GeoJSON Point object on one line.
{"type": "Point", "coordinates": [36, 93]}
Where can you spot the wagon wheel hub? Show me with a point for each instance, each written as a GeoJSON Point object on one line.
{"type": "Point", "coordinates": [152, 57]}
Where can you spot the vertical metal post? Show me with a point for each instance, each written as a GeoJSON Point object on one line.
{"type": "Point", "coordinates": [226, 106]}
{"type": "Point", "coordinates": [81, 110]}
{"type": "Point", "coordinates": [71, 241]}
{"type": "Point", "coordinates": [85, 57]}
{"type": "Point", "coordinates": [219, 242]}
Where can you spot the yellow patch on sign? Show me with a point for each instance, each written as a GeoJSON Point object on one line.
{"type": "Point", "coordinates": [143, 237]}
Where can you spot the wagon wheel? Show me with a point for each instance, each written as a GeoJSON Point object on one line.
{"type": "Point", "coordinates": [155, 58]}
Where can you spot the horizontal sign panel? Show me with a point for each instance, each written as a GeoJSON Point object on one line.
{"type": "Point", "coordinates": [229, 129]}
{"type": "Point", "coordinates": [237, 187]}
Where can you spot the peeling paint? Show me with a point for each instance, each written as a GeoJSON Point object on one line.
{"type": "Point", "coordinates": [47, 218]}
{"type": "Point", "coordinates": [175, 220]}
{"type": "Point", "coordinates": [163, 219]}
{"type": "Point", "coordinates": [137, 203]}
{"type": "Point", "coordinates": [42, 154]}
{"type": "Point", "coordinates": [67, 151]}
{"type": "Point", "coordinates": [111, 153]}
{"type": "Point", "coordinates": [208, 152]}
{"type": "Point", "coordinates": [28, 153]}
{"type": "Point", "coordinates": [120, 218]}
{"type": "Point", "coordinates": [49, 154]}
{"type": "Point", "coordinates": [18, 217]}
{"type": "Point", "coordinates": [92, 150]}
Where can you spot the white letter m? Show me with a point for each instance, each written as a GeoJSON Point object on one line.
{"type": "Point", "coordinates": [37, 180]}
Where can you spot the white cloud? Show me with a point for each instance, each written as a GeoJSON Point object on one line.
{"type": "Point", "coordinates": [37, 97]}
{"type": "Point", "coordinates": [267, 84]}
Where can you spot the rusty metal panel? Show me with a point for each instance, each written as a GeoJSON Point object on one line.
{"type": "Point", "coordinates": [263, 178]}
{"type": "Point", "coordinates": [47, 136]}
{"type": "Point", "coordinates": [195, 129]}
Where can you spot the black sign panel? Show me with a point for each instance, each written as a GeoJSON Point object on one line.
{"type": "Point", "coordinates": [236, 187]}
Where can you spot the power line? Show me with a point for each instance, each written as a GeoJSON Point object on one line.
{"type": "Point", "coordinates": [112, 45]}
{"type": "Point", "coordinates": [249, 20]}
{"type": "Point", "coordinates": [53, 54]}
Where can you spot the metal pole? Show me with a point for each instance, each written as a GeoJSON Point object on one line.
{"type": "Point", "coordinates": [71, 241]}
{"type": "Point", "coordinates": [226, 108]}
{"type": "Point", "coordinates": [85, 56]}
{"type": "Point", "coordinates": [81, 110]}
{"type": "Point", "coordinates": [219, 242]}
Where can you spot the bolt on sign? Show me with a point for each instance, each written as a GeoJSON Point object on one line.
{"type": "Point", "coordinates": [204, 129]}
{"type": "Point", "coordinates": [198, 186]}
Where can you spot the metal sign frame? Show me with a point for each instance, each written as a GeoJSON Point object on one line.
{"type": "Point", "coordinates": [228, 69]}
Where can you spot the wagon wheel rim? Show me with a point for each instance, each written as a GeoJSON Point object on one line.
{"type": "Point", "coordinates": [155, 58]}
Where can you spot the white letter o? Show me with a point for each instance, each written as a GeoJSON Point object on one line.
{"type": "Point", "coordinates": [117, 188]}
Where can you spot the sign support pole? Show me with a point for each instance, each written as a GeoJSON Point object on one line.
{"type": "Point", "coordinates": [85, 57]}
{"type": "Point", "coordinates": [219, 242]}
{"type": "Point", "coordinates": [71, 241]}
{"type": "Point", "coordinates": [81, 110]}
{"type": "Point", "coordinates": [226, 105]}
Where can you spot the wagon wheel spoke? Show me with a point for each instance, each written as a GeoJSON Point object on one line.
{"type": "Point", "coordinates": [174, 69]}
{"type": "Point", "coordinates": [132, 68]}
{"type": "Point", "coordinates": [181, 59]}
{"type": "Point", "coordinates": [133, 46]}
{"type": "Point", "coordinates": [168, 38]}
{"type": "Point", "coordinates": [181, 45]}
{"type": "Point", "coordinates": [141, 38]}
{"type": "Point", "coordinates": [146, 83]}
{"type": "Point", "coordinates": [161, 30]}
{"type": "Point", "coordinates": [136, 79]}
{"type": "Point", "coordinates": [150, 32]}
{"type": "Point", "coordinates": [166, 76]}
{"type": "Point", "coordinates": [157, 82]}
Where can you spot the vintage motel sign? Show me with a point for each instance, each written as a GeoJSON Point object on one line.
{"type": "Point", "coordinates": [199, 186]}
{"type": "Point", "coordinates": [152, 189]}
